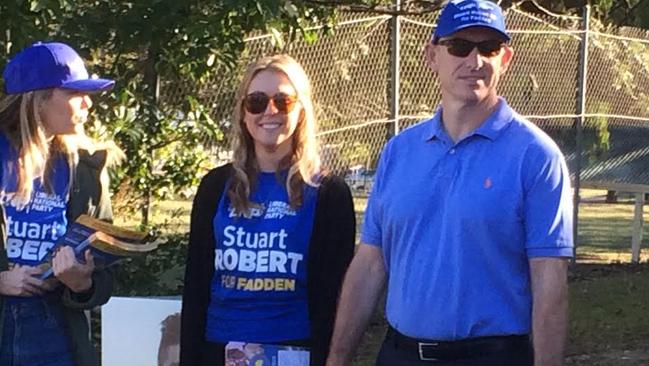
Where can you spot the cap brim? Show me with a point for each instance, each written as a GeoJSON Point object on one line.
{"type": "Point", "coordinates": [505, 36]}
{"type": "Point", "coordinates": [89, 85]}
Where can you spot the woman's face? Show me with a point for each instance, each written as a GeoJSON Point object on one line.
{"type": "Point", "coordinates": [65, 112]}
{"type": "Point", "coordinates": [271, 125]}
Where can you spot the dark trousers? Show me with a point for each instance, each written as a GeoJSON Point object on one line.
{"type": "Point", "coordinates": [214, 354]}
{"type": "Point", "coordinates": [398, 350]}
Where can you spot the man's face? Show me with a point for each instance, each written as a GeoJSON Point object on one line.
{"type": "Point", "coordinates": [473, 78]}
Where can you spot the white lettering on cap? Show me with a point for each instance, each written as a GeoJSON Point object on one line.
{"type": "Point", "coordinates": [486, 6]}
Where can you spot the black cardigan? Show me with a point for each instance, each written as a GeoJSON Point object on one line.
{"type": "Point", "coordinates": [330, 251]}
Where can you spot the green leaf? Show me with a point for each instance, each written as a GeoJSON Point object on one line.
{"type": "Point", "coordinates": [36, 5]}
{"type": "Point", "coordinates": [291, 9]}
{"type": "Point", "coordinates": [277, 37]}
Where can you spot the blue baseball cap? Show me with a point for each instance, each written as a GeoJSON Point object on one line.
{"type": "Point", "coordinates": [462, 14]}
{"type": "Point", "coordinates": [50, 65]}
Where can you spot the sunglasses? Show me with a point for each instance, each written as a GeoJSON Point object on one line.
{"type": "Point", "coordinates": [257, 102]}
{"type": "Point", "coordinates": [459, 47]}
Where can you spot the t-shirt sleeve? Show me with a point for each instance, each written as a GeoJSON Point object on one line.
{"type": "Point", "coordinates": [371, 233]}
{"type": "Point", "coordinates": [548, 203]}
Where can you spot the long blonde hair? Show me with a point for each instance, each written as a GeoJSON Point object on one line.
{"type": "Point", "coordinates": [304, 166]}
{"type": "Point", "coordinates": [21, 122]}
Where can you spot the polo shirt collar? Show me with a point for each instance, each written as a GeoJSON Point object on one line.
{"type": "Point", "coordinates": [490, 128]}
{"type": "Point", "coordinates": [496, 122]}
{"type": "Point", "coordinates": [435, 128]}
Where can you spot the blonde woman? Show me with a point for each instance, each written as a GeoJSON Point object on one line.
{"type": "Point", "coordinates": [50, 173]}
{"type": "Point", "coordinates": [271, 234]}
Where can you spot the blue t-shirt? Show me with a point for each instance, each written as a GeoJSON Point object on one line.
{"type": "Point", "coordinates": [32, 230]}
{"type": "Point", "coordinates": [458, 223]}
{"type": "Point", "coordinates": [259, 289]}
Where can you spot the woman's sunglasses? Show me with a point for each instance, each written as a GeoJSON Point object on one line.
{"type": "Point", "coordinates": [257, 102]}
{"type": "Point", "coordinates": [459, 47]}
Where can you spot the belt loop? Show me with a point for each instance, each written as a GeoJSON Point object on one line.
{"type": "Point", "coordinates": [421, 346]}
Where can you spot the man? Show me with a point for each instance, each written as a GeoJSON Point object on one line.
{"type": "Point", "coordinates": [469, 221]}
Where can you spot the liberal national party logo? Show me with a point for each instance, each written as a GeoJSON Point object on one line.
{"type": "Point", "coordinates": [274, 210]}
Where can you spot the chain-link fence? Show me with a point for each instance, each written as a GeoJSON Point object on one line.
{"type": "Point", "coordinates": [579, 81]}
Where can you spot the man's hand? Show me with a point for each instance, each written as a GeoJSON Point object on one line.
{"type": "Point", "coordinates": [364, 283]}
{"type": "Point", "coordinates": [24, 281]}
{"type": "Point", "coordinates": [76, 276]}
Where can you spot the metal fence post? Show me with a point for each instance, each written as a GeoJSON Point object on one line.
{"type": "Point", "coordinates": [579, 123]}
{"type": "Point", "coordinates": [636, 239]}
{"type": "Point", "coordinates": [395, 43]}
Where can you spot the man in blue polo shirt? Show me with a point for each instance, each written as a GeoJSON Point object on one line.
{"type": "Point", "coordinates": [469, 221]}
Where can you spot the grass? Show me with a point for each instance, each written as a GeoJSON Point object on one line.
{"type": "Point", "coordinates": [605, 231]}
{"type": "Point", "coordinates": [609, 300]}
{"type": "Point", "coordinates": [609, 315]}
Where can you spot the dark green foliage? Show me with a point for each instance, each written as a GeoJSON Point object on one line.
{"type": "Point", "coordinates": [158, 274]}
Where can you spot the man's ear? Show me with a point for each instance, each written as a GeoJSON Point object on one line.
{"type": "Point", "coordinates": [506, 60]}
{"type": "Point", "coordinates": [430, 56]}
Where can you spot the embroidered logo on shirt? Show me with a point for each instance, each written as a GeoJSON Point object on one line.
{"type": "Point", "coordinates": [487, 183]}
{"type": "Point", "coordinates": [279, 209]}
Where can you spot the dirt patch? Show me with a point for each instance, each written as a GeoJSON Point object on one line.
{"type": "Point", "coordinates": [630, 357]}
{"type": "Point", "coordinates": [594, 271]}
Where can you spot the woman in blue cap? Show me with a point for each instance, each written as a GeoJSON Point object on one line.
{"type": "Point", "coordinates": [50, 173]}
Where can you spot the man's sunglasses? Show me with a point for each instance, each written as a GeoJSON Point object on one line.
{"type": "Point", "coordinates": [257, 102]}
{"type": "Point", "coordinates": [459, 47]}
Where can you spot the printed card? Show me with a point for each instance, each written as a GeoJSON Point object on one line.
{"type": "Point", "coordinates": [255, 354]}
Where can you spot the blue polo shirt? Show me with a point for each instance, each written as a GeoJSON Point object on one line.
{"type": "Point", "coordinates": [458, 222]}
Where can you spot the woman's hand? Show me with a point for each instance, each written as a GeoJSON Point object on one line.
{"type": "Point", "coordinates": [24, 281]}
{"type": "Point", "coordinates": [68, 270]}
